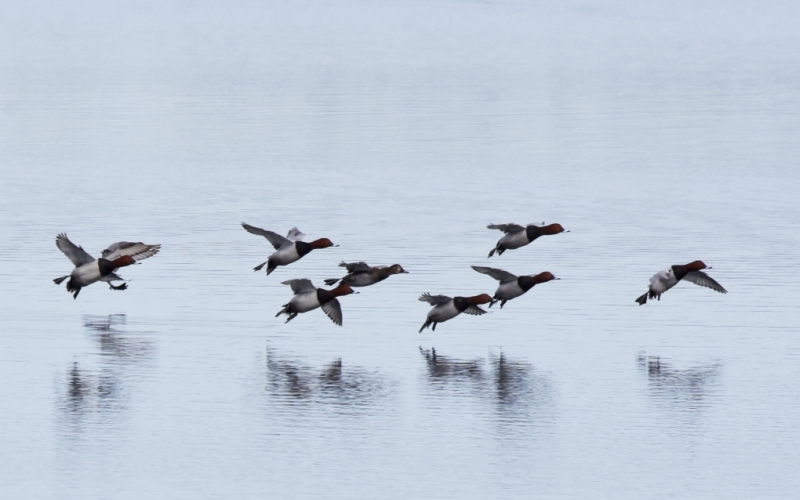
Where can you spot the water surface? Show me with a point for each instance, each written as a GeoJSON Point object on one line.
{"type": "Point", "coordinates": [658, 134]}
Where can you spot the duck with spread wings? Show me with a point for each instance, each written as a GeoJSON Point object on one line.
{"type": "Point", "coordinates": [669, 277]}
{"type": "Point", "coordinates": [518, 236]}
{"type": "Point", "coordinates": [512, 286]}
{"type": "Point", "coordinates": [307, 297]}
{"type": "Point", "coordinates": [361, 274]}
{"type": "Point", "coordinates": [445, 308]}
{"type": "Point", "coordinates": [287, 250]}
{"type": "Point", "coordinates": [89, 270]}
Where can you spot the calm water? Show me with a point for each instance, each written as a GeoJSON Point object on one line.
{"type": "Point", "coordinates": [657, 134]}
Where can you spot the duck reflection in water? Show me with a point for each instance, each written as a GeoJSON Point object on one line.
{"type": "Point", "coordinates": [100, 390]}
{"type": "Point", "coordinates": [119, 346]}
{"type": "Point", "coordinates": [687, 387]}
{"type": "Point", "coordinates": [79, 389]}
{"type": "Point", "coordinates": [89, 392]}
{"type": "Point", "coordinates": [514, 387]}
{"type": "Point", "coordinates": [291, 382]}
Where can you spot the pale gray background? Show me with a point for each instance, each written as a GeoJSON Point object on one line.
{"type": "Point", "coordinates": [657, 133]}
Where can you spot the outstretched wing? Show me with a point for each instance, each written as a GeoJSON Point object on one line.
{"type": "Point", "coordinates": [498, 274]}
{"type": "Point", "coordinates": [507, 228]}
{"type": "Point", "coordinates": [434, 300]}
{"type": "Point", "coordinates": [276, 239]}
{"type": "Point", "coordinates": [301, 286]}
{"type": "Point", "coordinates": [295, 235]}
{"type": "Point", "coordinates": [474, 310]}
{"type": "Point", "coordinates": [702, 279]}
{"type": "Point", "coordinates": [356, 267]}
{"type": "Point", "coordinates": [138, 251]}
{"type": "Point", "coordinates": [334, 311]}
{"type": "Point", "coordinates": [76, 254]}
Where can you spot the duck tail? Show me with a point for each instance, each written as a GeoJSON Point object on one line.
{"type": "Point", "coordinates": [58, 281]}
{"type": "Point", "coordinates": [271, 266]}
{"type": "Point", "coordinates": [643, 299]}
{"type": "Point", "coordinates": [426, 325]}
{"type": "Point", "coordinates": [332, 282]}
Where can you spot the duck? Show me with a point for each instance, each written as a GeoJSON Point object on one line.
{"type": "Point", "coordinates": [669, 277]}
{"type": "Point", "coordinates": [361, 274]}
{"type": "Point", "coordinates": [518, 236]}
{"type": "Point", "coordinates": [445, 308]}
{"type": "Point", "coordinates": [89, 270]}
{"type": "Point", "coordinates": [512, 286]}
{"type": "Point", "coordinates": [289, 249]}
{"type": "Point", "coordinates": [307, 297]}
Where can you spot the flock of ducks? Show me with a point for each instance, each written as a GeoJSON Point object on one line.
{"type": "Point", "coordinates": [307, 297]}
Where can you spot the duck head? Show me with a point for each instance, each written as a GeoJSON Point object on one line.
{"type": "Point", "coordinates": [397, 269]}
{"type": "Point", "coordinates": [543, 277]}
{"type": "Point", "coordinates": [696, 265]}
{"type": "Point", "coordinates": [553, 229]}
{"type": "Point", "coordinates": [479, 299]}
{"type": "Point", "coordinates": [322, 243]}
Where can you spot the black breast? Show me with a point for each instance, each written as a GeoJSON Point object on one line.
{"type": "Point", "coordinates": [461, 303]}
{"type": "Point", "coordinates": [532, 232]}
{"type": "Point", "coordinates": [302, 247]}
{"type": "Point", "coordinates": [679, 271]}
{"type": "Point", "coordinates": [525, 282]}
{"type": "Point", "coordinates": [324, 296]}
{"type": "Point", "coordinates": [106, 267]}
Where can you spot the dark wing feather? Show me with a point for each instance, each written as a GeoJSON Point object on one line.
{"type": "Point", "coordinates": [434, 300]}
{"type": "Point", "coordinates": [356, 267]}
{"type": "Point", "coordinates": [76, 254]}
{"type": "Point", "coordinates": [474, 310]}
{"type": "Point", "coordinates": [506, 228]}
{"type": "Point", "coordinates": [300, 286]}
{"type": "Point", "coordinates": [498, 274]}
{"type": "Point", "coordinates": [139, 251]}
{"type": "Point", "coordinates": [334, 311]}
{"type": "Point", "coordinates": [275, 239]}
{"type": "Point", "coordinates": [702, 279]}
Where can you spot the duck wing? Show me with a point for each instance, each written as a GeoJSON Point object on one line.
{"type": "Point", "coordinates": [275, 239]}
{"type": "Point", "coordinates": [474, 310]}
{"type": "Point", "coordinates": [76, 254]}
{"type": "Point", "coordinates": [498, 274]}
{"type": "Point", "coordinates": [138, 251]}
{"type": "Point", "coordinates": [295, 234]}
{"type": "Point", "coordinates": [434, 300]}
{"type": "Point", "coordinates": [506, 228]}
{"type": "Point", "coordinates": [356, 267]}
{"type": "Point", "coordinates": [301, 286]}
{"type": "Point", "coordinates": [334, 311]}
{"type": "Point", "coordinates": [702, 279]}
